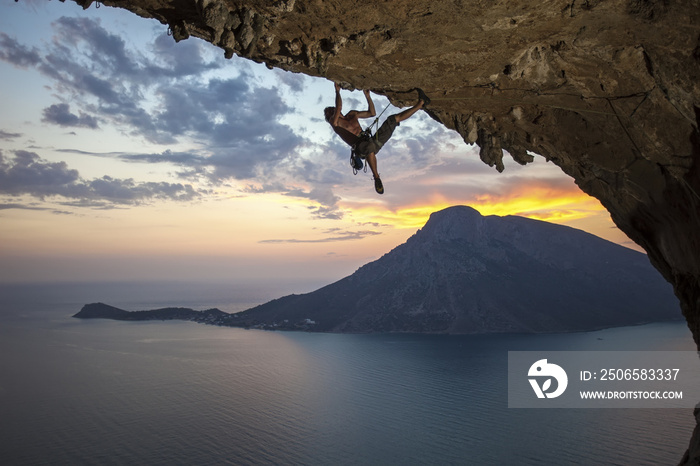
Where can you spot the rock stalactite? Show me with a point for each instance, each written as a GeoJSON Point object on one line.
{"type": "Point", "coordinates": [608, 91]}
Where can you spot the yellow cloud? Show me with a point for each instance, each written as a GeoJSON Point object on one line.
{"type": "Point", "coordinates": [542, 204]}
{"type": "Point", "coordinates": [538, 202]}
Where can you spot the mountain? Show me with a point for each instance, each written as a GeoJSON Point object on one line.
{"type": "Point", "coordinates": [466, 273]}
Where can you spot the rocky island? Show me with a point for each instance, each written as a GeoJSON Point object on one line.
{"type": "Point", "coordinates": [464, 273]}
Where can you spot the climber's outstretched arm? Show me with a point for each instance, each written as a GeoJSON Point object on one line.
{"type": "Point", "coordinates": [370, 112]}
{"type": "Point", "coordinates": [338, 106]}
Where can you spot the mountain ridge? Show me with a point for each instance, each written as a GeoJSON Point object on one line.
{"type": "Point", "coordinates": [450, 275]}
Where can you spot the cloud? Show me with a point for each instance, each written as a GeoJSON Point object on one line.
{"type": "Point", "coordinates": [185, 159]}
{"type": "Point", "coordinates": [29, 174]}
{"type": "Point", "coordinates": [61, 115]}
{"type": "Point", "coordinates": [13, 52]}
{"type": "Point", "coordinates": [238, 123]}
{"type": "Point", "coordinates": [326, 198]}
{"type": "Point", "coordinates": [15, 205]}
{"type": "Point", "coordinates": [127, 191]}
{"type": "Point", "coordinates": [5, 136]}
{"type": "Point", "coordinates": [162, 94]}
{"type": "Point", "coordinates": [186, 58]}
{"type": "Point", "coordinates": [18, 206]}
{"type": "Point", "coordinates": [295, 81]}
{"type": "Point", "coordinates": [81, 41]}
{"type": "Point", "coordinates": [197, 165]}
{"type": "Point", "coordinates": [347, 236]}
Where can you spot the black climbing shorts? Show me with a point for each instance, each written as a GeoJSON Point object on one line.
{"type": "Point", "coordinates": [367, 146]}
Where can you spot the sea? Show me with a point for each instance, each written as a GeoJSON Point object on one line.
{"type": "Point", "coordinates": [101, 392]}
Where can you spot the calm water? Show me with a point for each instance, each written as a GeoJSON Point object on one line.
{"type": "Point", "coordinates": [105, 392]}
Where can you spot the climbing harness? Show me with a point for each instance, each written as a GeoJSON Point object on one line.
{"type": "Point", "coordinates": [366, 135]}
{"type": "Point", "coordinates": [355, 158]}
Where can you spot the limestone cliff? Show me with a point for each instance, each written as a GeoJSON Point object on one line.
{"type": "Point", "coordinates": [607, 90]}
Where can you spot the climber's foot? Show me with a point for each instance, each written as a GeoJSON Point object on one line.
{"type": "Point", "coordinates": [378, 186]}
{"type": "Point", "coordinates": [423, 97]}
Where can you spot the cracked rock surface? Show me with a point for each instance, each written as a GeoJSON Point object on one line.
{"type": "Point", "coordinates": [607, 90]}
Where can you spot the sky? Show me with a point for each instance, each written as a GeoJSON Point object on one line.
{"type": "Point", "coordinates": [126, 156]}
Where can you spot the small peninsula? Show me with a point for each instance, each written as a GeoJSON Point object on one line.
{"type": "Point", "coordinates": [105, 311]}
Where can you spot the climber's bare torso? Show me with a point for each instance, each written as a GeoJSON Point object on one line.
{"type": "Point", "coordinates": [348, 127]}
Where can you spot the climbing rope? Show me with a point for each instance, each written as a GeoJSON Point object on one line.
{"type": "Point", "coordinates": [375, 123]}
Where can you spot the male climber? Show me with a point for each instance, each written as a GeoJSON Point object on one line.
{"type": "Point", "coordinates": [349, 129]}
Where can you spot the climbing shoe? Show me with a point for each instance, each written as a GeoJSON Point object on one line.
{"type": "Point", "coordinates": [423, 97]}
{"type": "Point", "coordinates": [378, 186]}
